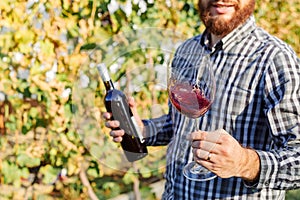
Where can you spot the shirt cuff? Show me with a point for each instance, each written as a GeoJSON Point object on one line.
{"type": "Point", "coordinates": [268, 171]}
{"type": "Point", "coordinates": [150, 132]}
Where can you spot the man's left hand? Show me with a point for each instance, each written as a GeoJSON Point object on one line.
{"type": "Point", "coordinates": [222, 154]}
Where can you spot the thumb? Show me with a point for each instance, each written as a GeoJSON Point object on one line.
{"type": "Point", "coordinates": [131, 102]}
{"type": "Point", "coordinates": [133, 108]}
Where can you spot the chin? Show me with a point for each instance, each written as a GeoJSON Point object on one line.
{"type": "Point", "coordinates": [225, 18]}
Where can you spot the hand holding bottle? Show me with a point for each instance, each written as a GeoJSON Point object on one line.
{"type": "Point", "coordinates": [117, 133]}
{"type": "Point", "coordinates": [126, 128]}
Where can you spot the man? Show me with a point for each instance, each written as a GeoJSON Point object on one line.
{"type": "Point", "coordinates": [253, 126]}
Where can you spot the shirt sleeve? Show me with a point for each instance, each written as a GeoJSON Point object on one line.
{"type": "Point", "coordinates": [280, 166]}
{"type": "Point", "coordinates": [159, 131]}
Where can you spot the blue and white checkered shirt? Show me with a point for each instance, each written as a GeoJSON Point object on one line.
{"type": "Point", "coordinates": [257, 101]}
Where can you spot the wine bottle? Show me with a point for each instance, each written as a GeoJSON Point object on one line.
{"type": "Point", "coordinates": [133, 142]}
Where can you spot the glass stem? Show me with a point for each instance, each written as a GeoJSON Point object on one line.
{"type": "Point", "coordinates": [196, 124]}
{"type": "Point", "coordinates": [196, 166]}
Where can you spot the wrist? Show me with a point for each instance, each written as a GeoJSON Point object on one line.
{"type": "Point", "coordinates": [250, 165]}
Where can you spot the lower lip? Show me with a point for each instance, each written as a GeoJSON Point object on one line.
{"type": "Point", "coordinates": [223, 10]}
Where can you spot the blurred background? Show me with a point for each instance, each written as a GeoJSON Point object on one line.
{"type": "Point", "coordinates": [53, 143]}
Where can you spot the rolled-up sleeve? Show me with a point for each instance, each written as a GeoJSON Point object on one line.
{"type": "Point", "coordinates": [280, 167]}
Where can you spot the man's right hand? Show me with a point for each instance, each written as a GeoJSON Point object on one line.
{"type": "Point", "coordinates": [117, 133]}
{"type": "Point", "coordinates": [113, 124]}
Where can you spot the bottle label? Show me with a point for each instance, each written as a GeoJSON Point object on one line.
{"type": "Point", "coordinates": [138, 130]}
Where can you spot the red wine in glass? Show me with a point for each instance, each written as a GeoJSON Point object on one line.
{"type": "Point", "coordinates": [189, 99]}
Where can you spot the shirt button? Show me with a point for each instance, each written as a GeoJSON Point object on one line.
{"type": "Point", "coordinates": [267, 183]}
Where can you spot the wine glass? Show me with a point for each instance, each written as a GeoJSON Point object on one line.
{"type": "Point", "coordinates": [191, 90]}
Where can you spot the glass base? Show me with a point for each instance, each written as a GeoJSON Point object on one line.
{"type": "Point", "coordinates": [194, 171]}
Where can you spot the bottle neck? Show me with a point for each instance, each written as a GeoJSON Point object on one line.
{"type": "Point", "coordinates": [109, 85]}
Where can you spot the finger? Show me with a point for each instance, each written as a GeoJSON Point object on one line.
{"type": "Point", "coordinates": [204, 145]}
{"type": "Point", "coordinates": [112, 124]}
{"type": "Point", "coordinates": [208, 164]}
{"type": "Point", "coordinates": [132, 104]}
{"type": "Point", "coordinates": [200, 154]}
{"type": "Point", "coordinates": [131, 101]}
{"type": "Point", "coordinates": [117, 133]}
{"type": "Point", "coordinates": [117, 139]}
{"type": "Point", "coordinates": [107, 115]}
{"type": "Point", "coordinates": [197, 135]}
{"type": "Point", "coordinates": [213, 136]}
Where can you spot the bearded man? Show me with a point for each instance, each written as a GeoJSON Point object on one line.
{"type": "Point", "coordinates": [249, 138]}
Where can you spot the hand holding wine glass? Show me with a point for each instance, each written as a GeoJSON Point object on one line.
{"type": "Point", "coordinates": [228, 158]}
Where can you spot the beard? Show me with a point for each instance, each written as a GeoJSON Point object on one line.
{"type": "Point", "coordinates": [221, 27]}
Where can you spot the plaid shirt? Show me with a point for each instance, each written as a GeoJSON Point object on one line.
{"type": "Point", "coordinates": [257, 101]}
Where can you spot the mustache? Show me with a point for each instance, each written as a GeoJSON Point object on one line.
{"type": "Point", "coordinates": [211, 2]}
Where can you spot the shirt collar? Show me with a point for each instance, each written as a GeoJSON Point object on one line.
{"type": "Point", "coordinates": [232, 38]}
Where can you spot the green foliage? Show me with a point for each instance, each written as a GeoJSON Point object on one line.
{"type": "Point", "coordinates": [293, 195]}
{"type": "Point", "coordinates": [281, 18]}
{"type": "Point", "coordinates": [12, 174]}
{"type": "Point", "coordinates": [51, 129]}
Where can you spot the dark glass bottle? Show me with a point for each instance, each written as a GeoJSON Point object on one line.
{"type": "Point", "coordinates": [116, 102]}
